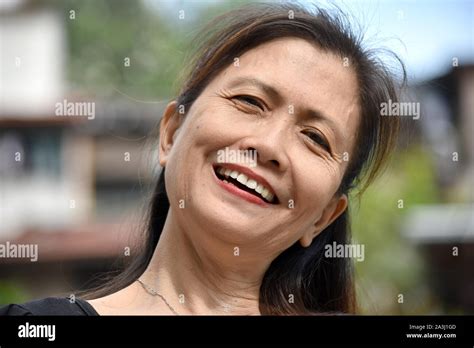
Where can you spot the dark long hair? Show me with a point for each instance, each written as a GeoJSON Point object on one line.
{"type": "Point", "coordinates": [314, 283]}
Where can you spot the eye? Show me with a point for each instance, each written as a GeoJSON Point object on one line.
{"type": "Point", "coordinates": [318, 139]}
{"type": "Point", "coordinates": [247, 99]}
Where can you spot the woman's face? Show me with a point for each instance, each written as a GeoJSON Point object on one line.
{"type": "Point", "coordinates": [295, 107]}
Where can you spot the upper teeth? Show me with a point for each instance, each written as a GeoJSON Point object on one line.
{"type": "Point", "coordinates": [250, 183]}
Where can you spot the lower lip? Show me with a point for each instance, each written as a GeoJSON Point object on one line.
{"type": "Point", "coordinates": [240, 193]}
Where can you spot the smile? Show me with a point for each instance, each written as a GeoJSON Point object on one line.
{"type": "Point", "coordinates": [244, 183]}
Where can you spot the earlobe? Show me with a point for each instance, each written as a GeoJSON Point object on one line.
{"type": "Point", "coordinates": [306, 240]}
{"type": "Point", "coordinates": [335, 208]}
{"type": "Point", "coordinates": [169, 125]}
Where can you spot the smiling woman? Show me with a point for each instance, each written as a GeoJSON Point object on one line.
{"type": "Point", "coordinates": [296, 88]}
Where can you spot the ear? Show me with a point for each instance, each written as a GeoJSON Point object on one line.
{"type": "Point", "coordinates": [169, 125]}
{"type": "Point", "coordinates": [336, 207]}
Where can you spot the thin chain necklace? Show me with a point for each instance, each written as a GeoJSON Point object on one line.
{"type": "Point", "coordinates": [153, 292]}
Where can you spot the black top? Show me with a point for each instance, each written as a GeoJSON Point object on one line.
{"type": "Point", "coordinates": [50, 306]}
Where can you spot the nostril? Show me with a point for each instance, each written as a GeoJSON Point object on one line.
{"type": "Point", "coordinates": [257, 155]}
{"type": "Point", "coordinates": [275, 162]}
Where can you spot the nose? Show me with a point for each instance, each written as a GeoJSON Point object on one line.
{"type": "Point", "coordinates": [269, 142]}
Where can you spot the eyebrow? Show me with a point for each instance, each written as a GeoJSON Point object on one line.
{"type": "Point", "coordinates": [277, 97]}
{"type": "Point", "coordinates": [270, 90]}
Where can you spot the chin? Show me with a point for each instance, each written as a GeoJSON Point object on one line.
{"type": "Point", "coordinates": [225, 223]}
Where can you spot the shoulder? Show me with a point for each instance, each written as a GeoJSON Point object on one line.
{"type": "Point", "coordinates": [50, 306]}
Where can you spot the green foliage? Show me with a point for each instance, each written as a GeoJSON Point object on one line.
{"type": "Point", "coordinates": [156, 41]}
{"type": "Point", "coordinates": [105, 33]}
{"type": "Point", "coordinates": [392, 265]}
{"type": "Point", "coordinates": [11, 292]}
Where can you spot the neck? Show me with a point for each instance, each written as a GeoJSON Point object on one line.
{"type": "Point", "coordinates": [208, 277]}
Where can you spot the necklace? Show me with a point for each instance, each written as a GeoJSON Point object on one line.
{"type": "Point", "coordinates": [153, 292]}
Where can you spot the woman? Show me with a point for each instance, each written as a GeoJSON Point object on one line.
{"type": "Point", "coordinates": [297, 94]}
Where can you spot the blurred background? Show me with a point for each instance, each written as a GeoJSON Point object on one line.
{"type": "Point", "coordinates": [77, 186]}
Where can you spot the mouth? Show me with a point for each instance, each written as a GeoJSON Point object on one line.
{"type": "Point", "coordinates": [246, 185]}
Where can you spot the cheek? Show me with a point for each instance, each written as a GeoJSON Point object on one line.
{"type": "Point", "coordinates": [202, 133]}
{"type": "Point", "coordinates": [179, 167]}
{"type": "Point", "coordinates": [176, 179]}
{"type": "Point", "coordinates": [315, 183]}
{"type": "Point", "coordinates": [214, 126]}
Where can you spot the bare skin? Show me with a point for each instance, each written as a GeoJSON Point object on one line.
{"type": "Point", "coordinates": [213, 253]}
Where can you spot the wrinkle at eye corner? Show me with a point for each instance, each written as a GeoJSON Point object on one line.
{"type": "Point", "coordinates": [332, 157]}
{"type": "Point", "coordinates": [330, 162]}
{"type": "Point", "coordinates": [223, 93]}
{"type": "Point", "coordinates": [337, 157]}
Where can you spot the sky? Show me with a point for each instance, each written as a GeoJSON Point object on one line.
{"type": "Point", "coordinates": [426, 34]}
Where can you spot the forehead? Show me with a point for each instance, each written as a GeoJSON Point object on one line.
{"type": "Point", "coordinates": [305, 75]}
{"type": "Point", "coordinates": [295, 63]}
